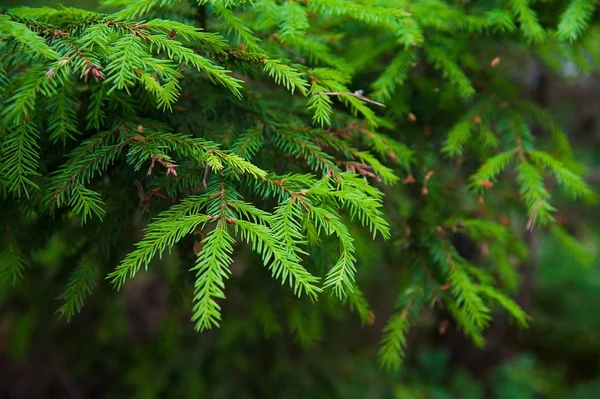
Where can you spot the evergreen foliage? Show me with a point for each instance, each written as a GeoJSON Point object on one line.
{"type": "Point", "coordinates": [277, 127]}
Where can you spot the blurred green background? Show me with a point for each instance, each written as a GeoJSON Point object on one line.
{"type": "Point", "coordinates": [125, 346]}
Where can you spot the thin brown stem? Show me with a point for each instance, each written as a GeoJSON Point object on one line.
{"type": "Point", "coordinates": [359, 96]}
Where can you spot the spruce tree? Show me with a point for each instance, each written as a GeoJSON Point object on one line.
{"type": "Point", "coordinates": [308, 133]}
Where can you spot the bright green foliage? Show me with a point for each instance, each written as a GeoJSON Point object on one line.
{"type": "Point", "coordinates": [212, 268]}
{"type": "Point", "coordinates": [228, 127]}
{"type": "Point", "coordinates": [527, 19]}
{"type": "Point", "coordinates": [575, 19]}
{"type": "Point", "coordinates": [394, 342]}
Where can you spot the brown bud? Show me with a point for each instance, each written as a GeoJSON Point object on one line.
{"type": "Point", "coordinates": [427, 130]}
{"type": "Point", "coordinates": [477, 119]}
{"type": "Point", "coordinates": [480, 200]}
{"type": "Point", "coordinates": [408, 179]}
{"type": "Point", "coordinates": [172, 34]}
{"type": "Point", "coordinates": [140, 129]}
{"type": "Point", "coordinates": [371, 319]}
{"type": "Point", "coordinates": [486, 184]}
{"type": "Point", "coordinates": [495, 62]}
{"type": "Point", "coordinates": [424, 190]}
{"type": "Point", "coordinates": [412, 117]}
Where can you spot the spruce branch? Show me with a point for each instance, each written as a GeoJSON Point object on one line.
{"type": "Point", "coordinates": [358, 94]}
{"type": "Point", "coordinates": [163, 233]}
{"type": "Point", "coordinates": [528, 20]}
{"type": "Point", "coordinates": [575, 19]}
{"type": "Point", "coordinates": [29, 41]}
{"type": "Point", "coordinates": [12, 257]}
{"type": "Point", "coordinates": [212, 269]}
{"type": "Point", "coordinates": [393, 342]}
{"type": "Point", "coordinates": [340, 278]}
{"type": "Point", "coordinates": [80, 284]}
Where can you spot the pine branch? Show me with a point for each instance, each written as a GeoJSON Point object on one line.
{"type": "Point", "coordinates": [29, 42]}
{"type": "Point", "coordinates": [450, 70]}
{"type": "Point", "coordinates": [573, 184]}
{"type": "Point", "coordinates": [458, 136]}
{"type": "Point", "coordinates": [249, 143]}
{"type": "Point", "coordinates": [80, 284]}
{"type": "Point", "coordinates": [136, 8]}
{"type": "Point", "coordinates": [21, 158]}
{"type": "Point", "coordinates": [286, 230]}
{"type": "Point", "coordinates": [287, 76]}
{"type": "Point", "coordinates": [371, 15]}
{"type": "Point", "coordinates": [491, 169]}
{"type": "Point", "coordinates": [528, 20]}
{"type": "Point", "coordinates": [394, 75]}
{"type": "Point", "coordinates": [67, 186]}
{"type": "Point", "coordinates": [320, 105]}
{"type": "Point", "coordinates": [363, 205]}
{"type": "Point", "coordinates": [163, 233]}
{"type": "Point", "coordinates": [293, 21]}
{"type": "Point", "coordinates": [212, 269]}
{"type": "Point", "coordinates": [511, 306]}
{"type": "Point", "coordinates": [535, 195]}
{"type": "Point", "coordinates": [234, 25]}
{"type": "Point", "coordinates": [393, 343]}
{"type": "Point", "coordinates": [575, 19]}
{"type": "Point", "coordinates": [62, 107]}
{"type": "Point", "coordinates": [298, 145]}
{"type": "Point", "coordinates": [340, 278]}
{"type": "Point", "coordinates": [175, 50]}
{"type": "Point", "coordinates": [355, 94]}
{"type": "Point", "coordinates": [466, 324]}
{"type": "Point", "coordinates": [467, 296]}
{"type": "Point", "coordinates": [20, 143]}
{"type": "Point", "coordinates": [12, 256]}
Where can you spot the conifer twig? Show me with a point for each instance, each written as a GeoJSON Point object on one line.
{"type": "Point", "coordinates": [357, 94]}
{"type": "Point", "coordinates": [530, 222]}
